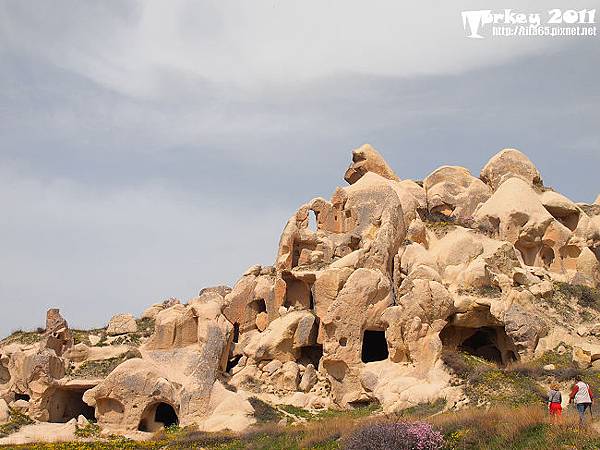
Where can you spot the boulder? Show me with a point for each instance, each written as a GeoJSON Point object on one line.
{"type": "Point", "coordinates": [121, 324]}
{"type": "Point", "coordinates": [287, 377]}
{"type": "Point", "coordinates": [452, 191]}
{"type": "Point", "coordinates": [521, 223]}
{"type": "Point", "coordinates": [367, 159]}
{"type": "Point", "coordinates": [509, 163]}
{"type": "Point", "coordinates": [4, 411]}
{"type": "Point", "coordinates": [309, 379]}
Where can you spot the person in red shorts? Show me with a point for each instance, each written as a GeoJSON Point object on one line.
{"type": "Point", "coordinates": [555, 401]}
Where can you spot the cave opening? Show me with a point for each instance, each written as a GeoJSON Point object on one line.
{"type": "Point", "coordinates": [374, 346]}
{"type": "Point", "coordinates": [236, 333]}
{"type": "Point", "coordinates": [487, 342]}
{"type": "Point", "coordinates": [66, 404]}
{"type": "Point", "coordinates": [157, 416]}
{"type": "Point", "coordinates": [21, 396]}
{"type": "Point", "coordinates": [4, 374]}
{"type": "Point", "coordinates": [311, 355]}
{"type": "Point", "coordinates": [232, 362]}
{"type": "Point", "coordinates": [258, 305]}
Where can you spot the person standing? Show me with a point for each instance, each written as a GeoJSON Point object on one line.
{"type": "Point", "coordinates": [555, 401]}
{"type": "Point", "coordinates": [582, 396]}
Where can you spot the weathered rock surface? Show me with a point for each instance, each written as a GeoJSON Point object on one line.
{"type": "Point", "coordinates": [121, 324]}
{"type": "Point", "coordinates": [357, 308]}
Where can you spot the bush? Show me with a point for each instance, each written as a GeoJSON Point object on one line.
{"type": "Point", "coordinates": [396, 436]}
{"type": "Point", "coordinates": [89, 430]}
{"type": "Point", "coordinates": [585, 296]}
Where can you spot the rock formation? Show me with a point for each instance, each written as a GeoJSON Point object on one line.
{"type": "Point", "coordinates": [357, 310]}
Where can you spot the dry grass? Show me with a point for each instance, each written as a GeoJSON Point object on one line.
{"type": "Point", "coordinates": [316, 433]}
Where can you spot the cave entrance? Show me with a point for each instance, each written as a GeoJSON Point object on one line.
{"type": "Point", "coordinates": [298, 293]}
{"type": "Point", "coordinates": [67, 403]}
{"type": "Point", "coordinates": [20, 396]}
{"type": "Point", "coordinates": [4, 374]}
{"type": "Point", "coordinates": [157, 416]}
{"type": "Point", "coordinates": [374, 346]}
{"type": "Point", "coordinates": [232, 362]}
{"type": "Point", "coordinates": [488, 342]}
{"type": "Point", "coordinates": [311, 355]}
{"type": "Point", "coordinates": [236, 333]}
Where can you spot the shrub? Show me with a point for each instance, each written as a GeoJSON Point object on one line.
{"type": "Point", "coordinates": [585, 296]}
{"type": "Point", "coordinates": [89, 430]}
{"type": "Point", "coordinates": [16, 420]}
{"type": "Point", "coordinates": [395, 436]}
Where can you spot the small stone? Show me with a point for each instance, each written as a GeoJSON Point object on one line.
{"type": "Point", "coordinates": [549, 367]}
{"type": "Point", "coordinates": [262, 321]}
{"type": "Point", "coordinates": [272, 366]}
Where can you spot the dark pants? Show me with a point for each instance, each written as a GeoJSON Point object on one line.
{"type": "Point", "coordinates": [581, 407]}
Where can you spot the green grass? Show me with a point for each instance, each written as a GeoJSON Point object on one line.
{"type": "Point", "coordinates": [424, 409]}
{"type": "Point", "coordinates": [99, 368]}
{"type": "Point", "coordinates": [22, 337]}
{"type": "Point", "coordinates": [89, 430]}
{"type": "Point", "coordinates": [15, 422]}
{"type": "Point", "coordinates": [586, 296]}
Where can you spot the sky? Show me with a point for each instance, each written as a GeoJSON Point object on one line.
{"type": "Point", "coordinates": [149, 149]}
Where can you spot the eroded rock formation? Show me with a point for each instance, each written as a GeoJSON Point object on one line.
{"type": "Point", "coordinates": [357, 309]}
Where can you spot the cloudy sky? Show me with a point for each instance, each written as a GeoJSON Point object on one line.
{"type": "Point", "coordinates": [151, 148]}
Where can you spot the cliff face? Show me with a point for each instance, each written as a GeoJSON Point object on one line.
{"type": "Point", "coordinates": [366, 292]}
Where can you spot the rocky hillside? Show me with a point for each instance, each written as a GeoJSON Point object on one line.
{"type": "Point", "coordinates": [452, 291]}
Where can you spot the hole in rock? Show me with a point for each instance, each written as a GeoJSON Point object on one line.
{"type": "Point", "coordinates": [311, 354]}
{"type": "Point", "coordinates": [258, 306]}
{"type": "Point", "coordinates": [232, 362]}
{"type": "Point", "coordinates": [297, 293]}
{"type": "Point", "coordinates": [157, 416]}
{"type": "Point", "coordinates": [488, 342]}
{"type": "Point", "coordinates": [236, 332]}
{"type": "Point", "coordinates": [374, 346]}
{"type": "Point", "coordinates": [4, 374]}
{"type": "Point", "coordinates": [312, 221]}
{"type": "Point", "coordinates": [67, 404]}
{"type": "Point", "coordinates": [19, 396]}
{"type": "Point", "coordinates": [547, 255]}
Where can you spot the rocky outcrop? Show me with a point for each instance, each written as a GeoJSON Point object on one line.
{"type": "Point", "coordinates": [366, 159]}
{"type": "Point", "coordinates": [367, 291]}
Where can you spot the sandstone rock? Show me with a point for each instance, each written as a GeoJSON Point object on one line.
{"type": "Point", "coordinates": [509, 163]}
{"type": "Point", "coordinates": [597, 202]}
{"type": "Point", "coordinates": [152, 311]}
{"type": "Point", "coordinates": [454, 192]}
{"type": "Point", "coordinates": [543, 289]}
{"type": "Point", "coordinates": [523, 224]}
{"type": "Point", "coordinates": [581, 358]}
{"type": "Point", "coordinates": [287, 377]}
{"type": "Point", "coordinates": [4, 411]}
{"type": "Point", "coordinates": [54, 321]}
{"type": "Point", "coordinates": [121, 324]}
{"type": "Point", "coordinates": [549, 367]}
{"type": "Point", "coordinates": [367, 159]}
{"type": "Point", "coordinates": [272, 366]}
{"type": "Point", "coordinates": [370, 287]}
{"type": "Point", "coordinates": [309, 379]}
{"type": "Point", "coordinates": [21, 406]}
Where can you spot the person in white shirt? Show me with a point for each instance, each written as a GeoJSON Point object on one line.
{"type": "Point", "coordinates": [582, 396]}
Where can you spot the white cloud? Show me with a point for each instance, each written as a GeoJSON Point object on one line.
{"type": "Point", "coordinates": [251, 44]}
